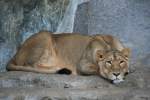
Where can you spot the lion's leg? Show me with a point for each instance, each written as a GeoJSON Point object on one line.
{"type": "Point", "coordinates": [46, 63]}
{"type": "Point", "coordinates": [47, 59]}
{"type": "Point", "coordinates": [87, 68]}
{"type": "Point", "coordinates": [47, 69]}
{"type": "Point", "coordinates": [50, 70]}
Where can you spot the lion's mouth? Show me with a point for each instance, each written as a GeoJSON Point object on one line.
{"type": "Point", "coordinates": [116, 81]}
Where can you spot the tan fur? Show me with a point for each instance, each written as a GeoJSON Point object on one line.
{"type": "Point", "coordinates": [45, 52]}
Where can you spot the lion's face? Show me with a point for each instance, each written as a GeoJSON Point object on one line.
{"type": "Point", "coordinates": [113, 65]}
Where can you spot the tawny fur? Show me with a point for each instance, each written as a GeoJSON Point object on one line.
{"type": "Point", "coordinates": [45, 52]}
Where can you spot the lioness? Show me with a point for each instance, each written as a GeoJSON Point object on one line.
{"type": "Point", "coordinates": [45, 52]}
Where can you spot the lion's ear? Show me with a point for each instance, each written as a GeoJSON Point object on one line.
{"type": "Point", "coordinates": [100, 54]}
{"type": "Point", "coordinates": [126, 52]}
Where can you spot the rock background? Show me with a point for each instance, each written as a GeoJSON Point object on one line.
{"type": "Point", "coordinates": [126, 19]}
{"type": "Point", "coordinates": [129, 20]}
{"type": "Point", "coordinates": [20, 19]}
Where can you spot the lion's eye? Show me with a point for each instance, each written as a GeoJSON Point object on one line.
{"type": "Point", "coordinates": [121, 62]}
{"type": "Point", "coordinates": [109, 62]}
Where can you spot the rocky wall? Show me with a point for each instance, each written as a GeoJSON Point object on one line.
{"type": "Point", "coordinates": [129, 20]}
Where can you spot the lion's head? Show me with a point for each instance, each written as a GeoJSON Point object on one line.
{"type": "Point", "coordinates": [113, 64]}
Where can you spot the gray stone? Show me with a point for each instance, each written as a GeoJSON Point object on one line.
{"type": "Point", "coordinates": [67, 24]}
{"type": "Point", "coordinates": [137, 79]}
{"type": "Point", "coordinates": [20, 19]}
{"type": "Point", "coordinates": [126, 19]}
{"type": "Point", "coordinates": [73, 94]}
{"type": "Point", "coordinates": [81, 19]}
{"type": "Point", "coordinates": [34, 86]}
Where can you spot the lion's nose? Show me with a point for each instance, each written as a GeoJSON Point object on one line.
{"type": "Point", "coordinates": [116, 74]}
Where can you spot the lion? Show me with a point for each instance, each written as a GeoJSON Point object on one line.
{"type": "Point", "coordinates": [45, 52]}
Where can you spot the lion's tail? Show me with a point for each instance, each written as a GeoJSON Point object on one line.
{"type": "Point", "coordinates": [13, 67]}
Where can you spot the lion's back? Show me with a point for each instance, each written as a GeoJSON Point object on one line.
{"type": "Point", "coordinates": [71, 46]}
{"type": "Point", "coordinates": [32, 48]}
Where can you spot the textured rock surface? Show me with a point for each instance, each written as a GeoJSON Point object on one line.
{"type": "Point", "coordinates": [34, 86]}
{"type": "Point", "coordinates": [127, 19]}
{"type": "Point", "coordinates": [20, 19]}
{"type": "Point", "coordinates": [74, 94]}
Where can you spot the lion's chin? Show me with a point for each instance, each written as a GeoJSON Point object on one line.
{"type": "Point", "coordinates": [116, 81]}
